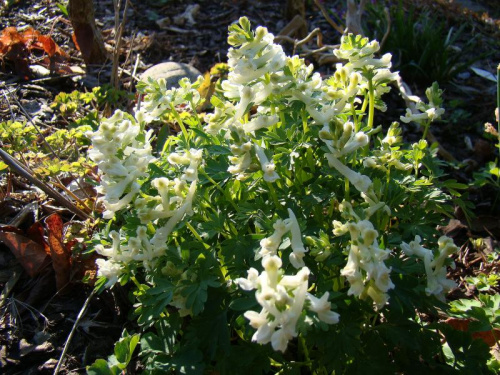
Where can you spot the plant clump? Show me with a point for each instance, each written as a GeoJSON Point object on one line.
{"type": "Point", "coordinates": [286, 216]}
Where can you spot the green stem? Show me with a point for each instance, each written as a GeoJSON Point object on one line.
{"type": "Point", "coordinates": [354, 117]}
{"type": "Point", "coordinates": [426, 130]}
{"type": "Point", "coordinates": [166, 145]}
{"type": "Point", "coordinates": [363, 109]}
{"type": "Point", "coordinates": [218, 187]}
{"type": "Point", "coordinates": [196, 235]}
{"type": "Point", "coordinates": [305, 350]}
{"type": "Point", "coordinates": [346, 183]}
{"type": "Point", "coordinates": [195, 114]}
{"type": "Point", "coordinates": [137, 284]}
{"type": "Point", "coordinates": [304, 121]}
{"type": "Point", "coordinates": [371, 108]}
{"type": "Point", "coordinates": [274, 197]}
{"type": "Point", "coordinates": [179, 120]}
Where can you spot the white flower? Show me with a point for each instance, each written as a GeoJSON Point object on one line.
{"type": "Point", "coordinates": [361, 182]}
{"type": "Point", "coordinates": [282, 298]}
{"type": "Point", "coordinates": [255, 58]}
{"type": "Point", "coordinates": [322, 307]}
{"type": "Point", "coordinates": [298, 250]}
{"type": "Point", "coordinates": [160, 238]}
{"type": "Point", "coordinates": [250, 282]}
{"type": "Point", "coordinates": [193, 157]}
{"type": "Point", "coordinates": [121, 158]}
{"type": "Point", "coordinates": [437, 283]}
{"type": "Point", "coordinates": [110, 269]}
{"type": "Point", "coordinates": [260, 122]}
{"type": "Point", "coordinates": [365, 269]}
{"type": "Point", "coordinates": [267, 167]}
{"type": "Point", "coordinates": [270, 245]}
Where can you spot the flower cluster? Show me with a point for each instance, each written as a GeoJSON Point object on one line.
{"type": "Point", "coordinates": [282, 298]}
{"type": "Point", "coordinates": [269, 245]}
{"type": "Point", "coordinates": [437, 283]}
{"type": "Point", "coordinates": [365, 270]}
{"type": "Point", "coordinates": [389, 154]}
{"type": "Point", "coordinates": [122, 151]}
{"type": "Point", "coordinates": [159, 99]}
{"type": "Point", "coordinates": [424, 113]}
{"type": "Point", "coordinates": [122, 159]}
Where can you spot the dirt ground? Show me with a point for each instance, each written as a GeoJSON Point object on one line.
{"type": "Point", "coordinates": [35, 319]}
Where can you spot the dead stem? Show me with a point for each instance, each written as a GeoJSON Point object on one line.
{"type": "Point", "coordinates": [328, 18]}
{"type": "Point", "coordinates": [70, 336]}
{"type": "Point", "coordinates": [22, 171]}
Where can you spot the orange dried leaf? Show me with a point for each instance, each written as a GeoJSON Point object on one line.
{"type": "Point", "coordinates": [61, 258]}
{"type": "Point", "coordinates": [50, 47]}
{"type": "Point", "coordinates": [36, 233]}
{"type": "Point", "coordinates": [30, 36]}
{"type": "Point", "coordinates": [30, 255]}
{"type": "Point", "coordinates": [463, 325]}
{"type": "Point", "coordinates": [73, 38]}
{"type": "Point", "coordinates": [10, 36]}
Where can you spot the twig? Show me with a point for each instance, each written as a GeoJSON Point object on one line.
{"type": "Point", "coordinates": [60, 185]}
{"type": "Point", "coordinates": [388, 29]}
{"type": "Point", "coordinates": [30, 119]}
{"type": "Point", "coordinates": [134, 72]}
{"type": "Point", "coordinates": [323, 50]}
{"type": "Point", "coordinates": [119, 27]}
{"type": "Point", "coordinates": [132, 40]}
{"type": "Point", "coordinates": [328, 18]}
{"type": "Point", "coordinates": [312, 34]}
{"type": "Point", "coordinates": [22, 170]}
{"type": "Point", "coordinates": [70, 336]}
{"type": "Point", "coordinates": [8, 103]}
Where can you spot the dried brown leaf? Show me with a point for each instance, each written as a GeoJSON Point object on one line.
{"type": "Point", "coordinates": [463, 325]}
{"type": "Point", "coordinates": [36, 233]}
{"type": "Point", "coordinates": [30, 254]}
{"type": "Point", "coordinates": [61, 257]}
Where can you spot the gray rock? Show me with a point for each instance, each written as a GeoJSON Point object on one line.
{"type": "Point", "coordinates": [172, 72]}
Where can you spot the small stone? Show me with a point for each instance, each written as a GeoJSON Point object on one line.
{"type": "Point", "coordinates": [172, 72]}
{"type": "Point", "coordinates": [77, 69]}
{"type": "Point", "coordinates": [25, 347]}
{"type": "Point", "coordinates": [39, 71]}
{"type": "Point", "coordinates": [49, 365]}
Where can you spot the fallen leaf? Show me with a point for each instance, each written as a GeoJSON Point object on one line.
{"type": "Point", "coordinates": [29, 254]}
{"type": "Point", "coordinates": [463, 325]}
{"type": "Point", "coordinates": [61, 258]}
{"type": "Point", "coordinates": [16, 48]}
{"type": "Point", "coordinates": [84, 268]}
{"type": "Point", "coordinates": [36, 233]}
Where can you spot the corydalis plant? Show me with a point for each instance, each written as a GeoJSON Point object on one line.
{"type": "Point", "coordinates": [285, 191]}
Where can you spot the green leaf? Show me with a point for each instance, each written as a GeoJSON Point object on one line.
{"type": "Point", "coordinates": [243, 303]}
{"type": "Point", "coordinates": [100, 367]}
{"type": "Point", "coordinates": [124, 348]}
{"type": "Point", "coordinates": [163, 134]}
{"type": "Point", "coordinates": [63, 9]}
